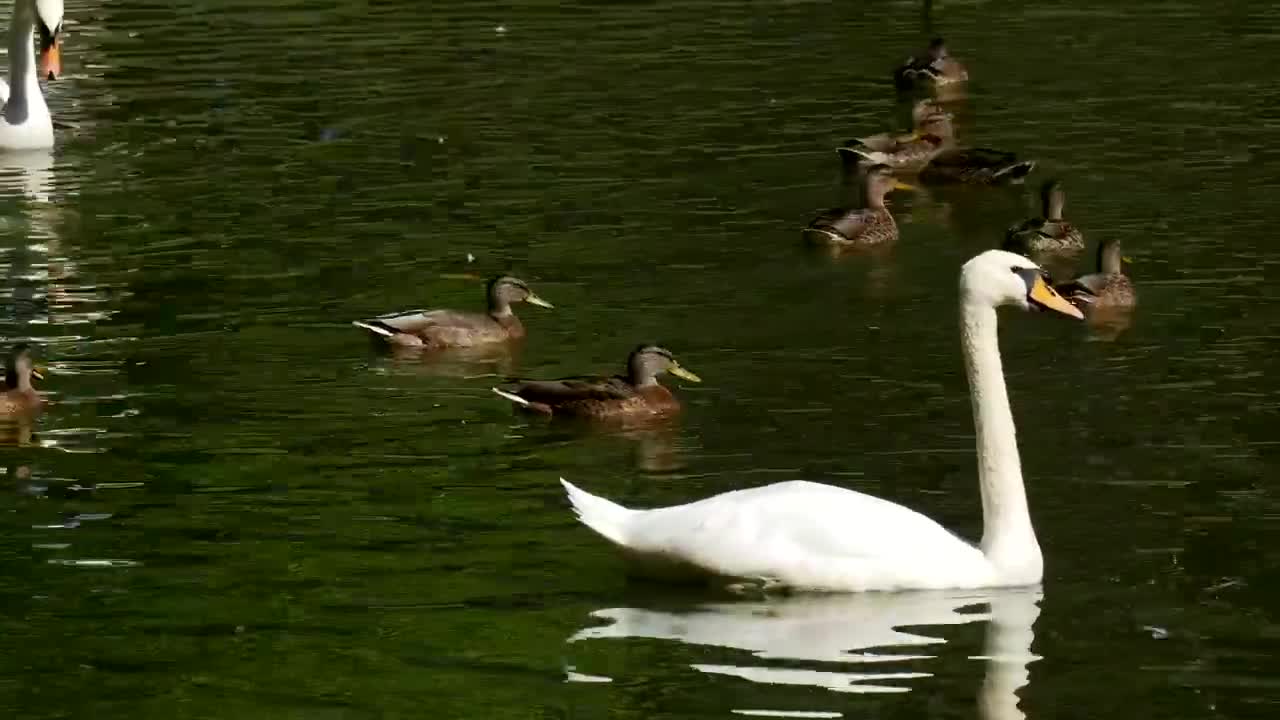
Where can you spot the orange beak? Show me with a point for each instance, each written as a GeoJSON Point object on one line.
{"type": "Point", "coordinates": [51, 59]}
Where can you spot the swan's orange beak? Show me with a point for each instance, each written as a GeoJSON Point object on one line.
{"type": "Point", "coordinates": [1043, 295]}
{"type": "Point", "coordinates": [51, 59]}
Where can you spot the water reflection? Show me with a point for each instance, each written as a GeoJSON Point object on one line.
{"type": "Point", "coordinates": [499, 360]}
{"type": "Point", "coordinates": [16, 431]}
{"type": "Point", "coordinates": [862, 630]}
{"type": "Point", "coordinates": [27, 174]}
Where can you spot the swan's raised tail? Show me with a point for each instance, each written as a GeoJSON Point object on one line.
{"type": "Point", "coordinates": [605, 517]}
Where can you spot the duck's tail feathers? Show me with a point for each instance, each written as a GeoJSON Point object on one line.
{"type": "Point", "coordinates": [1017, 171]}
{"type": "Point", "coordinates": [818, 236]}
{"type": "Point", "coordinates": [855, 151]}
{"type": "Point", "coordinates": [607, 518]}
{"type": "Point", "coordinates": [510, 396]}
{"type": "Point", "coordinates": [374, 328]}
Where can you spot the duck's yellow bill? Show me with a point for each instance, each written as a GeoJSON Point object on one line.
{"type": "Point", "coordinates": [899, 185]}
{"type": "Point", "coordinates": [1046, 297]}
{"type": "Point", "coordinates": [683, 374]}
{"type": "Point", "coordinates": [39, 372]}
{"type": "Point", "coordinates": [535, 300]}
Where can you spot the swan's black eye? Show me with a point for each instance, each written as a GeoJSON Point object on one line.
{"type": "Point", "coordinates": [1044, 274]}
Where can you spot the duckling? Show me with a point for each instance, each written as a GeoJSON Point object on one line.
{"type": "Point", "coordinates": [932, 133]}
{"type": "Point", "coordinates": [436, 329]}
{"type": "Point", "coordinates": [1049, 232]}
{"type": "Point", "coordinates": [936, 68]}
{"type": "Point", "coordinates": [866, 226]}
{"type": "Point", "coordinates": [637, 393]}
{"type": "Point", "coordinates": [19, 398]}
{"type": "Point", "coordinates": [1107, 289]}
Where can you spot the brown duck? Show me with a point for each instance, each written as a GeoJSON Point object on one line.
{"type": "Point", "coordinates": [865, 226]}
{"type": "Point", "coordinates": [19, 397]}
{"type": "Point", "coordinates": [638, 393]}
{"type": "Point", "coordinates": [437, 329]}
{"type": "Point", "coordinates": [932, 133]}
{"type": "Point", "coordinates": [1108, 288]}
{"type": "Point", "coordinates": [1048, 233]}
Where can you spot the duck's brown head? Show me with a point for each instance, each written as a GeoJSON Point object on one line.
{"type": "Point", "coordinates": [877, 183]}
{"type": "Point", "coordinates": [647, 362]}
{"type": "Point", "coordinates": [19, 367]}
{"type": "Point", "coordinates": [1052, 199]}
{"type": "Point", "coordinates": [928, 118]}
{"type": "Point", "coordinates": [1110, 257]}
{"type": "Point", "coordinates": [505, 290]}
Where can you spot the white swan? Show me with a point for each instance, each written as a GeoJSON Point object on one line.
{"type": "Point", "coordinates": [807, 536]}
{"type": "Point", "coordinates": [25, 123]}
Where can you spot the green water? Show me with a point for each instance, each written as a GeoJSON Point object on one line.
{"type": "Point", "coordinates": [235, 509]}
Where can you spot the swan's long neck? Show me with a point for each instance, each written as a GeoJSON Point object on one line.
{"type": "Point", "coordinates": [1008, 540]}
{"type": "Point", "coordinates": [24, 86]}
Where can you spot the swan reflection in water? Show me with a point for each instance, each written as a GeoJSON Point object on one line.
{"type": "Point", "coordinates": [864, 630]}
{"type": "Point", "coordinates": [27, 173]}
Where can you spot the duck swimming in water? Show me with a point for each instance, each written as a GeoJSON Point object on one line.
{"type": "Point", "coordinates": [638, 392]}
{"type": "Point", "coordinates": [438, 329]}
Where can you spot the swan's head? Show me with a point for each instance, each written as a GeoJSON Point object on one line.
{"type": "Point", "coordinates": [49, 25]}
{"type": "Point", "coordinates": [998, 277]}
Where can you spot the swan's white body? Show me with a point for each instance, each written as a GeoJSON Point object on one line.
{"type": "Point", "coordinates": [809, 536]}
{"type": "Point", "coordinates": [25, 123]}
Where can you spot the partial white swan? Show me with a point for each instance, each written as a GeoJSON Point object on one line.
{"type": "Point", "coordinates": [808, 536]}
{"type": "Point", "coordinates": [25, 123]}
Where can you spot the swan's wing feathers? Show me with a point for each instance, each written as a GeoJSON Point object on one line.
{"type": "Point", "coordinates": [804, 533]}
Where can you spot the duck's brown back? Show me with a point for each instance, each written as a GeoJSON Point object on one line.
{"type": "Point", "coordinates": [450, 328]}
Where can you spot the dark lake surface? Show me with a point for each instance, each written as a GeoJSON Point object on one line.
{"type": "Point", "coordinates": [235, 508]}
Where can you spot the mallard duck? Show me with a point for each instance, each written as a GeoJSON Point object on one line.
{"type": "Point", "coordinates": [1108, 288]}
{"type": "Point", "coordinates": [636, 393]}
{"type": "Point", "coordinates": [1049, 232]}
{"type": "Point", "coordinates": [932, 151]}
{"type": "Point", "coordinates": [975, 166]}
{"type": "Point", "coordinates": [809, 536]}
{"type": "Point", "coordinates": [866, 226]}
{"type": "Point", "coordinates": [435, 329]}
{"type": "Point", "coordinates": [19, 397]}
{"type": "Point", "coordinates": [932, 133]}
{"type": "Point", "coordinates": [936, 67]}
